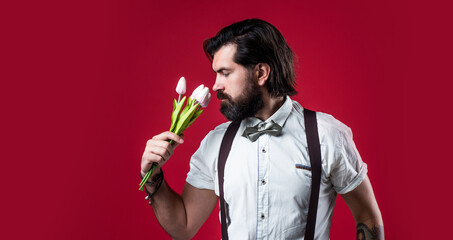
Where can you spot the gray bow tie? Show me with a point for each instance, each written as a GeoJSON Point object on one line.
{"type": "Point", "coordinates": [253, 133]}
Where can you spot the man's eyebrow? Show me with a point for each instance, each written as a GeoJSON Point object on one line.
{"type": "Point", "coordinates": [221, 70]}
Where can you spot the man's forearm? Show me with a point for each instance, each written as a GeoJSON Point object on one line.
{"type": "Point", "coordinates": [370, 231]}
{"type": "Point", "coordinates": [169, 209]}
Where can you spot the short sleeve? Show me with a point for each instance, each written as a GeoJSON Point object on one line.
{"type": "Point", "coordinates": [200, 174]}
{"type": "Point", "coordinates": [348, 169]}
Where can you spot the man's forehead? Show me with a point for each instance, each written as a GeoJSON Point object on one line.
{"type": "Point", "coordinates": [223, 58]}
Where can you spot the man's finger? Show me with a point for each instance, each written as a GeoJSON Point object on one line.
{"type": "Point", "coordinates": [158, 143]}
{"type": "Point", "coordinates": [175, 143]}
{"type": "Point", "coordinates": [169, 136]}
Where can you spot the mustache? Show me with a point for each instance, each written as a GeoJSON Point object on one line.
{"type": "Point", "coordinates": [221, 95]}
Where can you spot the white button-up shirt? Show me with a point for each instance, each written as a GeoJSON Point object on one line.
{"type": "Point", "coordinates": [267, 182]}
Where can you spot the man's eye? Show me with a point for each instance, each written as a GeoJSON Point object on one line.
{"type": "Point", "coordinates": [226, 74]}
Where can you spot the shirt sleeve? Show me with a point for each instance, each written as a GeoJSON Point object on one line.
{"type": "Point", "coordinates": [348, 168]}
{"type": "Point", "coordinates": [200, 173]}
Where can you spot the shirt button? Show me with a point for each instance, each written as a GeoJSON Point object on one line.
{"type": "Point", "coordinates": [263, 182]}
{"type": "Point", "coordinates": [262, 216]}
{"type": "Point", "coordinates": [263, 150]}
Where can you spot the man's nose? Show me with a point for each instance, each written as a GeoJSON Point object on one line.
{"type": "Point", "coordinates": [217, 85]}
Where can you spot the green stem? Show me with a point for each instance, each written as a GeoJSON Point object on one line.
{"type": "Point", "coordinates": [143, 180]}
{"type": "Point", "coordinates": [146, 177]}
{"type": "Point", "coordinates": [142, 184]}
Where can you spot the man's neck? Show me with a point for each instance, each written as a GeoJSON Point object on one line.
{"type": "Point", "coordinates": [271, 105]}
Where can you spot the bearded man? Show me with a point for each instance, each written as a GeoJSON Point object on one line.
{"type": "Point", "coordinates": [266, 186]}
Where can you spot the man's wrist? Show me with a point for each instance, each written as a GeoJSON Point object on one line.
{"type": "Point", "coordinates": [153, 186]}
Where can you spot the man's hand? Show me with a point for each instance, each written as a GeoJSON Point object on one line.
{"type": "Point", "coordinates": [159, 150]}
{"type": "Point", "coordinates": [180, 215]}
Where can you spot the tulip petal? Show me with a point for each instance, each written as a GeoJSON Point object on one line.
{"type": "Point", "coordinates": [181, 87]}
{"type": "Point", "coordinates": [196, 91]}
{"type": "Point", "coordinates": [203, 97]}
{"type": "Point", "coordinates": [206, 100]}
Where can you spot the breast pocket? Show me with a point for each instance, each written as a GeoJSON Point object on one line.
{"type": "Point", "coordinates": [303, 169]}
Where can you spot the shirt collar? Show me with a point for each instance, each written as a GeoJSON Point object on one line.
{"type": "Point", "coordinates": [279, 117]}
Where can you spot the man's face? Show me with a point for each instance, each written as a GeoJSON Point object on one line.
{"type": "Point", "coordinates": [235, 86]}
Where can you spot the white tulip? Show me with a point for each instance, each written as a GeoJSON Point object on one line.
{"type": "Point", "coordinates": [196, 91]}
{"type": "Point", "coordinates": [203, 97]}
{"type": "Point", "coordinates": [206, 101]}
{"type": "Point", "coordinates": [181, 87]}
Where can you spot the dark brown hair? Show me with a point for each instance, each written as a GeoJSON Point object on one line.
{"type": "Point", "coordinates": [258, 41]}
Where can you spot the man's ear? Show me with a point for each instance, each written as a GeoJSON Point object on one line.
{"type": "Point", "coordinates": [262, 71]}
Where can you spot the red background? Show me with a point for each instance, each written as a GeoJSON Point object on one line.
{"type": "Point", "coordinates": [86, 83]}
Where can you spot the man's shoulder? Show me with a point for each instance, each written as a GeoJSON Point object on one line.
{"type": "Point", "coordinates": [210, 144]}
{"type": "Point", "coordinates": [221, 127]}
{"type": "Point", "coordinates": [327, 123]}
{"type": "Point", "coordinates": [217, 132]}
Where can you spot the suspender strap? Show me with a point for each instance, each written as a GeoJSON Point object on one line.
{"type": "Point", "coordinates": [314, 152]}
{"type": "Point", "coordinates": [223, 155]}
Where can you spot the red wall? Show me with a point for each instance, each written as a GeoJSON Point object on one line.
{"type": "Point", "coordinates": [86, 83]}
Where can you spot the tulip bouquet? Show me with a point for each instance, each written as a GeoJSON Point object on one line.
{"type": "Point", "coordinates": [180, 120]}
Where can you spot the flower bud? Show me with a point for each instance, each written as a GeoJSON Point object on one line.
{"type": "Point", "coordinates": [206, 101]}
{"type": "Point", "coordinates": [181, 87]}
{"type": "Point", "coordinates": [203, 97]}
{"type": "Point", "coordinates": [196, 91]}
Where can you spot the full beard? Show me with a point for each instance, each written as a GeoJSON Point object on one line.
{"type": "Point", "coordinates": [247, 105]}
